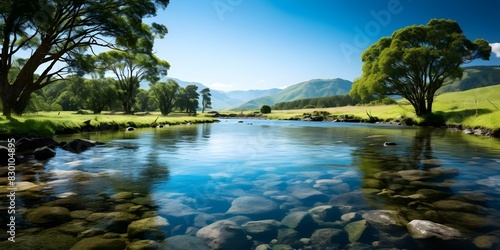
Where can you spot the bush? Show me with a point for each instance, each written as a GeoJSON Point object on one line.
{"type": "Point", "coordinates": [265, 109]}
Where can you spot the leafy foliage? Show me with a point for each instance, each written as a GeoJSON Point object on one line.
{"type": "Point", "coordinates": [265, 109]}
{"type": "Point", "coordinates": [416, 61]}
{"type": "Point", "coordinates": [206, 99]}
{"type": "Point", "coordinates": [60, 33]}
{"type": "Point", "coordinates": [165, 93]}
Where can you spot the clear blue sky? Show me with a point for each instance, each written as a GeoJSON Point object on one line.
{"type": "Point", "coordinates": [262, 44]}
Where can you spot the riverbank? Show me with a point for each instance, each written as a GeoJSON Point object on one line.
{"type": "Point", "coordinates": [67, 122]}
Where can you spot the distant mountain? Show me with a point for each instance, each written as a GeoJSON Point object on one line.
{"type": "Point", "coordinates": [247, 95]}
{"type": "Point", "coordinates": [309, 89]}
{"type": "Point", "coordinates": [474, 77]}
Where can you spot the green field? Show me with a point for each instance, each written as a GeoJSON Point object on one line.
{"type": "Point", "coordinates": [472, 108]}
{"type": "Point", "coordinates": [50, 123]}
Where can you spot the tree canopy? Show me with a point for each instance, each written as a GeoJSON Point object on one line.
{"type": "Point", "coordinates": [416, 61]}
{"type": "Point", "coordinates": [57, 34]}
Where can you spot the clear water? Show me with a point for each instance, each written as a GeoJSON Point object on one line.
{"type": "Point", "coordinates": [193, 167]}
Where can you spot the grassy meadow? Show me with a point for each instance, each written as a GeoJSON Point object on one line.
{"type": "Point", "coordinates": [472, 108]}
{"type": "Point", "coordinates": [50, 123]}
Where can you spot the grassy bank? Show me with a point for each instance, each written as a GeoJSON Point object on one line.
{"type": "Point", "coordinates": [51, 123]}
{"type": "Point", "coordinates": [473, 108]}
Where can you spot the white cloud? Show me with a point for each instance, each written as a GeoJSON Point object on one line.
{"type": "Point", "coordinates": [495, 48]}
{"type": "Point", "coordinates": [222, 86]}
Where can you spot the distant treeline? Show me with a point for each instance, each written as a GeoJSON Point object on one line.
{"type": "Point", "coordinates": [320, 102]}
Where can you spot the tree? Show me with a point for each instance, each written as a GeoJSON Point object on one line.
{"type": "Point", "coordinates": [165, 94]}
{"type": "Point", "coordinates": [206, 99]}
{"type": "Point", "coordinates": [131, 68]}
{"type": "Point", "coordinates": [188, 99]}
{"type": "Point", "coordinates": [265, 109]}
{"type": "Point", "coordinates": [416, 61]}
{"type": "Point", "coordinates": [97, 93]}
{"type": "Point", "coordinates": [57, 34]}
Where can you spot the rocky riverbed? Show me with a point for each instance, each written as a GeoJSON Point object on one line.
{"type": "Point", "coordinates": [310, 210]}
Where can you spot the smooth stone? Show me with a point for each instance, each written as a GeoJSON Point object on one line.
{"type": "Point", "coordinates": [51, 239]}
{"type": "Point", "coordinates": [20, 187]}
{"type": "Point", "coordinates": [49, 215]}
{"type": "Point", "coordinates": [305, 193]}
{"type": "Point", "coordinates": [424, 229]}
{"type": "Point", "coordinates": [154, 228]}
{"type": "Point", "coordinates": [385, 220]}
{"type": "Point", "coordinates": [183, 242]}
{"type": "Point", "coordinates": [443, 171]}
{"type": "Point", "coordinates": [122, 196]}
{"type": "Point", "coordinates": [99, 243]}
{"type": "Point", "coordinates": [282, 247]}
{"type": "Point", "coordinates": [263, 247]}
{"type": "Point", "coordinates": [469, 220]}
{"type": "Point", "coordinates": [255, 207]}
{"type": "Point", "coordinates": [143, 245]}
{"type": "Point", "coordinates": [328, 237]}
{"type": "Point", "coordinates": [372, 183]}
{"type": "Point", "coordinates": [262, 230]}
{"type": "Point", "coordinates": [299, 221]}
{"type": "Point", "coordinates": [456, 205]}
{"type": "Point", "coordinates": [359, 231]}
{"type": "Point", "coordinates": [325, 213]}
{"type": "Point", "coordinates": [354, 199]}
{"type": "Point", "coordinates": [415, 175]}
{"type": "Point", "coordinates": [224, 234]}
{"type": "Point", "coordinates": [91, 232]}
{"type": "Point", "coordinates": [348, 217]}
{"type": "Point", "coordinates": [44, 153]}
{"type": "Point", "coordinates": [114, 221]}
{"type": "Point", "coordinates": [287, 235]}
{"type": "Point", "coordinates": [487, 242]}
{"type": "Point", "coordinates": [74, 227]}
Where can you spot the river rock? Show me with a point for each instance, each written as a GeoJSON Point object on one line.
{"type": "Point", "coordinates": [99, 243]}
{"type": "Point", "coordinates": [25, 145]}
{"type": "Point", "coordinates": [225, 235]}
{"type": "Point", "coordinates": [282, 247]}
{"type": "Point", "coordinates": [360, 231]}
{"type": "Point", "coordinates": [44, 153]}
{"type": "Point", "coordinates": [153, 228]}
{"type": "Point", "coordinates": [424, 229]}
{"type": "Point", "coordinates": [176, 211]}
{"type": "Point", "coordinates": [51, 238]}
{"type": "Point", "coordinates": [114, 221]}
{"type": "Point", "coordinates": [385, 220]}
{"type": "Point", "coordinates": [328, 237]}
{"type": "Point", "coordinates": [469, 220]}
{"type": "Point", "coordinates": [45, 215]}
{"type": "Point", "coordinates": [415, 175]}
{"type": "Point", "coordinates": [487, 242]}
{"type": "Point", "coordinates": [73, 227]}
{"type": "Point", "coordinates": [287, 236]}
{"type": "Point", "coordinates": [143, 245]}
{"type": "Point", "coordinates": [456, 205]}
{"type": "Point", "coordinates": [325, 213]}
{"type": "Point", "coordinates": [354, 199]}
{"type": "Point", "coordinates": [262, 230]}
{"type": "Point", "coordinates": [299, 221]}
{"type": "Point", "coordinates": [307, 194]}
{"type": "Point", "coordinates": [79, 145]}
{"type": "Point", "coordinates": [255, 207]}
{"type": "Point", "coordinates": [183, 242]}
{"type": "Point", "coordinates": [122, 196]}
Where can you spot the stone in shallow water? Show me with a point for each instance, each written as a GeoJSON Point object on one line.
{"type": "Point", "coordinates": [122, 195]}
{"type": "Point", "coordinates": [424, 229]}
{"type": "Point", "coordinates": [487, 242]}
{"type": "Point", "coordinates": [154, 228]}
{"type": "Point", "coordinates": [49, 215]}
{"type": "Point", "coordinates": [299, 221]}
{"type": "Point", "coordinates": [44, 240]}
{"type": "Point", "coordinates": [262, 230]}
{"type": "Point", "coordinates": [360, 231]}
{"type": "Point", "coordinates": [255, 207]}
{"type": "Point", "coordinates": [99, 243]}
{"type": "Point", "coordinates": [328, 237]}
{"type": "Point", "coordinates": [325, 213]}
{"type": "Point", "coordinates": [113, 221]}
{"type": "Point", "coordinates": [144, 245]}
{"type": "Point", "coordinates": [469, 220]}
{"type": "Point", "coordinates": [385, 220]}
{"type": "Point", "coordinates": [415, 174]}
{"type": "Point", "coordinates": [183, 242]}
{"type": "Point", "coordinates": [456, 205]}
{"type": "Point", "coordinates": [306, 193]}
{"type": "Point", "coordinates": [225, 235]}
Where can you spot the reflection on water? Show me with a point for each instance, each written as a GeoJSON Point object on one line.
{"type": "Point", "coordinates": [197, 175]}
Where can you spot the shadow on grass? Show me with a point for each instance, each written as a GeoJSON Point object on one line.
{"type": "Point", "coordinates": [29, 127]}
{"type": "Point", "coordinates": [460, 116]}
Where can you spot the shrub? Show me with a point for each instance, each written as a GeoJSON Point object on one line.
{"type": "Point", "coordinates": [265, 109]}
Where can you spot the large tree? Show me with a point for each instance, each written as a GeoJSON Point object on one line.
{"type": "Point", "coordinates": [97, 93]}
{"type": "Point", "coordinates": [416, 61]}
{"type": "Point", "coordinates": [53, 34]}
{"type": "Point", "coordinates": [165, 94]}
{"type": "Point", "coordinates": [130, 69]}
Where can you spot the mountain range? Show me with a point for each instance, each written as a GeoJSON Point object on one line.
{"type": "Point", "coordinates": [474, 77]}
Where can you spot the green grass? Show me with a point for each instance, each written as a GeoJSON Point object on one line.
{"type": "Point", "coordinates": [50, 123]}
{"type": "Point", "coordinates": [472, 108]}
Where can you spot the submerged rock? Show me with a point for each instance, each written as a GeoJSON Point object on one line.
{"type": "Point", "coordinates": [225, 235]}
{"type": "Point", "coordinates": [299, 221]}
{"type": "Point", "coordinates": [45, 215]}
{"type": "Point", "coordinates": [153, 228]}
{"type": "Point", "coordinates": [415, 174]}
{"type": "Point", "coordinates": [360, 231]}
{"type": "Point", "coordinates": [113, 221]}
{"type": "Point", "coordinates": [424, 229]}
{"type": "Point", "coordinates": [325, 213]}
{"type": "Point", "coordinates": [385, 220]}
{"type": "Point", "coordinates": [79, 145]}
{"type": "Point", "coordinates": [262, 230]}
{"type": "Point", "coordinates": [144, 245]}
{"type": "Point", "coordinates": [328, 237]}
{"type": "Point", "coordinates": [99, 243]}
{"type": "Point", "coordinates": [183, 242]}
{"type": "Point", "coordinates": [255, 207]}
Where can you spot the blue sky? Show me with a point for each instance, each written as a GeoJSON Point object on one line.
{"type": "Point", "coordinates": [262, 44]}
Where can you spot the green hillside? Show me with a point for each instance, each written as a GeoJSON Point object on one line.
{"type": "Point", "coordinates": [309, 89]}
{"type": "Point", "coordinates": [475, 77]}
